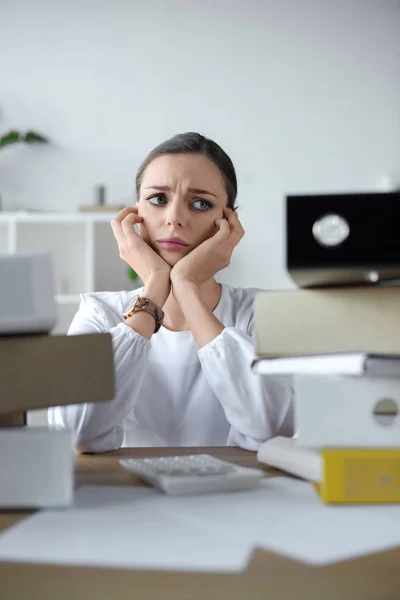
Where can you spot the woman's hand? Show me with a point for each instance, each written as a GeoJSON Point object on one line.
{"type": "Point", "coordinates": [212, 255]}
{"type": "Point", "coordinates": [151, 268]}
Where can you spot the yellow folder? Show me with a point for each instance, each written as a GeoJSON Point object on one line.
{"type": "Point", "coordinates": [360, 475]}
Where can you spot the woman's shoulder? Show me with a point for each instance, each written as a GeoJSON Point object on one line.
{"type": "Point", "coordinates": [237, 305]}
{"type": "Point", "coordinates": [238, 296]}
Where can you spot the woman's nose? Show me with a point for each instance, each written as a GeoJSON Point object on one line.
{"type": "Point", "coordinates": [176, 215]}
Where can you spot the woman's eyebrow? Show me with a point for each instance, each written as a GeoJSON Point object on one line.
{"type": "Point", "coordinates": [201, 191]}
{"type": "Point", "coordinates": [166, 188]}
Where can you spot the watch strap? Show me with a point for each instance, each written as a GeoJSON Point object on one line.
{"type": "Point", "coordinates": [146, 305]}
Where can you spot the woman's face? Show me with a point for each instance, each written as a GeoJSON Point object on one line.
{"type": "Point", "coordinates": [181, 196]}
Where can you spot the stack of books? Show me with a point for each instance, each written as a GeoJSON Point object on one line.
{"type": "Point", "coordinates": [38, 370]}
{"type": "Point", "coordinates": [340, 345]}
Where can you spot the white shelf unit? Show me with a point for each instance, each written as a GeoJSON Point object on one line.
{"type": "Point", "coordinates": [83, 250]}
{"type": "Point", "coordinates": [84, 254]}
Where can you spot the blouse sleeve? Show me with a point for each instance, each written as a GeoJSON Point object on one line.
{"type": "Point", "coordinates": [98, 427]}
{"type": "Point", "coordinates": [257, 407]}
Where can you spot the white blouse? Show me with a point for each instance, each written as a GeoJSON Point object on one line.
{"type": "Point", "coordinates": [171, 393]}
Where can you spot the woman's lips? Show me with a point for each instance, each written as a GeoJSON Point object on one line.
{"type": "Point", "coordinates": [174, 244]}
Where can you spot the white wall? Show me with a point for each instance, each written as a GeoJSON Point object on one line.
{"type": "Point", "coordinates": [303, 94]}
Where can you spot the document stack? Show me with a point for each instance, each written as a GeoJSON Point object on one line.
{"type": "Point", "coordinates": [38, 370]}
{"type": "Point", "coordinates": [338, 339]}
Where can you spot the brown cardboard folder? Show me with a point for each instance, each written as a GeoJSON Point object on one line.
{"type": "Point", "coordinates": [41, 371]}
{"type": "Point", "coordinates": [322, 321]}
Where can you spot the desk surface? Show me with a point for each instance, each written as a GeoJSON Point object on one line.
{"type": "Point", "coordinates": [268, 575]}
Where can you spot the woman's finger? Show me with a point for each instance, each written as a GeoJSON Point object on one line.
{"type": "Point", "coordinates": [125, 212]}
{"type": "Point", "coordinates": [128, 224]}
{"type": "Point", "coordinates": [231, 216]}
{"type": "Point", "coordinates": [233, 219]}
{"type": "Point", "coordinates": [223, 229]}
{"type": "Point", "coordinates": [116, 223]}
{"type": "Point", "coordinates": [132, 218]}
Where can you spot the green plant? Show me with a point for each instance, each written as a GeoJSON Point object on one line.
{"type": "Point", "coordinates": [132, 274]}
{"type": "Point", "coordinates": [15, 137]}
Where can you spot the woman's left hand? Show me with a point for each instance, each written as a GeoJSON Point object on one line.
{"type": "Point", "coordinates": [212, 255]}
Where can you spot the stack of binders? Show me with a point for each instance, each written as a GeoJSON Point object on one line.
{"type": "Point", "coordinates": [338, 339]}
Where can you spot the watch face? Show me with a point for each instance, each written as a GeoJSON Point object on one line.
{"type": "Point", "coordinates": [141, 302]}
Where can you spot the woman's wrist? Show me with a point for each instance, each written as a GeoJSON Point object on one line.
{"type": "Point", "coordinates": [182, 289]}
{"type": "Point", "coordinates": [157, 288]}
{"type": "Point", "coordinates": [143, 323]}
{"type": "Point", "coordinates": [201, 321]}
{"type": "Point", "coordinates": [181, 282]}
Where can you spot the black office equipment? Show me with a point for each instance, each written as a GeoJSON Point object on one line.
{"type": "Point", "coordinates": [343, 239]}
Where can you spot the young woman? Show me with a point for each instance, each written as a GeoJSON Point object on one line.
{"type": "Point", "coordinates": [182, 343]}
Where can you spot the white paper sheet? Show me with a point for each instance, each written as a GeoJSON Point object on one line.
{"type": "Point", "coordinates": [123, 527]}
{"type": "Point", "coordinates": [134, 527]}
{"type": "Point", "coordinates": [286, 516]}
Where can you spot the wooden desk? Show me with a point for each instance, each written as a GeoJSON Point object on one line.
{"type": "Point", "coordinates": [268, 575]}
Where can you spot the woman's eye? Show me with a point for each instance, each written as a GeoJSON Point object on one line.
{"type": "Point", "coordinates": [158, 200]}
{"type": "Point", "coordinates": [202, 204]}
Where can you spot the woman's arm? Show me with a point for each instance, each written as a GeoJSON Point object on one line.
{"type": "Point", "coordinates": [198, 267]}
{"type": "Point", "coordinates": [99, 426]}
{"type": "Point", "coordinates": [203, 324]}
{"type": "Point", "coordinates": [257, 408]}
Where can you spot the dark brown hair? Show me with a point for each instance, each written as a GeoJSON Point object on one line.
{"type": "Point", "coordinates": [195, 143]}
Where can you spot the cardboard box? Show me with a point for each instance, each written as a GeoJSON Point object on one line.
{"type": "Point", "coordinates": [41, 371]}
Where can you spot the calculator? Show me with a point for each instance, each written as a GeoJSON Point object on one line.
{"type": "Point", "coordinates": [193, 474]}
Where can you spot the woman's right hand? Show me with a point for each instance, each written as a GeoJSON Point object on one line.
{"type": "Point", "coordinates": [151, 268]}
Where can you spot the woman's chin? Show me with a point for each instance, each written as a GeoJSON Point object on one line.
{"type": "Point", "coordinates": [171, 258]}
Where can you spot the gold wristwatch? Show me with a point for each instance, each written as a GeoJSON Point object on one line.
{"type": "Point", "coordinates": [143, 303]}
